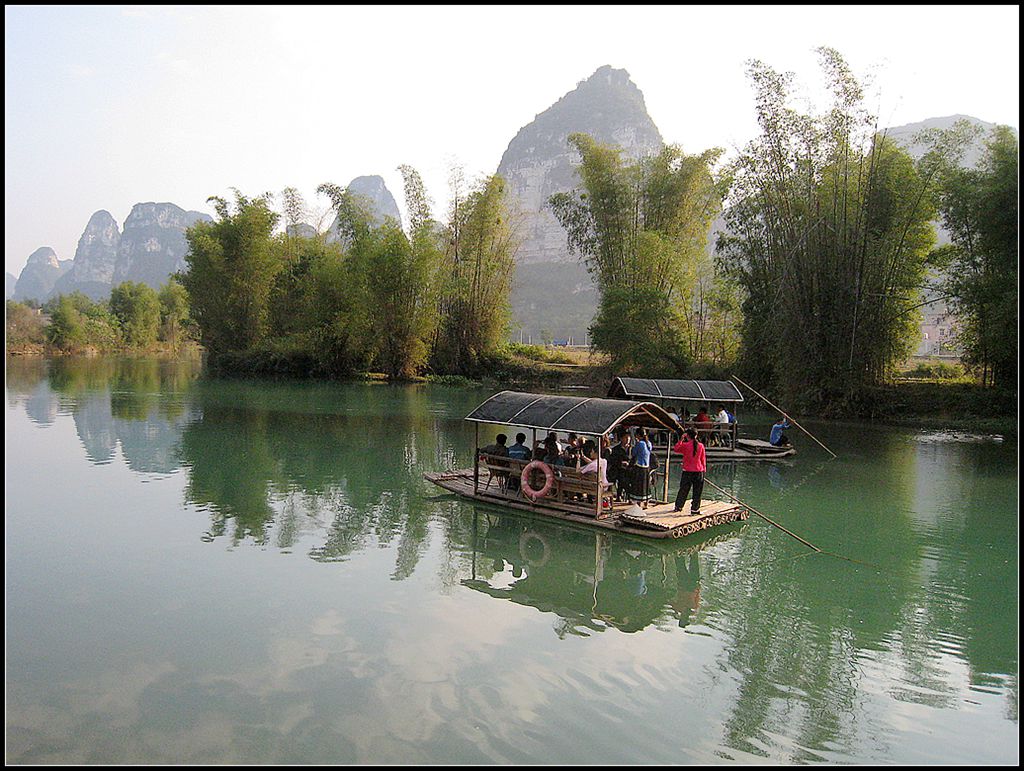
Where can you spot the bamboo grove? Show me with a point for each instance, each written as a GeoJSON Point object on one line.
{"type": "Point", "coordinates": [376, 297]}
{"type": "Point", "coordinates": [828, 232]}
{"type": "Point", "coordinates": [641, 229]}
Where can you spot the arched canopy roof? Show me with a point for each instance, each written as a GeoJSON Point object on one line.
{"type": "Point", "coordinates": [578, 414]}
{"type": "Point", "coordinates": [682, 390]}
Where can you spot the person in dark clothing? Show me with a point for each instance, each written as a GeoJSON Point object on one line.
{"type": "Point", "coordinates": [518, 451]}
{"type": "Point", "coordinates": [618, 466]}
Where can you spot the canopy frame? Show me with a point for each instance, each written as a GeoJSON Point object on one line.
{"type": "Point", "coordinates": [725, 391]}
{"type": "Point", "coordinates": [606, 414]}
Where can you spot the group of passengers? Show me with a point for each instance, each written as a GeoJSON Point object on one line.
{"type": "Point", "coordinates": [627, 465]}
{"type": "Point", "coordinates": [718, 429]}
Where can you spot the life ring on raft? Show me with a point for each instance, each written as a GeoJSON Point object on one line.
{"type": "Point", "coordinates": [524, 542]}
{"type": "Point", "coordinates": [549, 479]}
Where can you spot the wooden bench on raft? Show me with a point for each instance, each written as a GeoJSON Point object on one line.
{"type": "Point", "coordinates": [570, 487]}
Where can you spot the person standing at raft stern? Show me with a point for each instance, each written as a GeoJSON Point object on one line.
{"type": "Point", "coordinates": [694, 466]}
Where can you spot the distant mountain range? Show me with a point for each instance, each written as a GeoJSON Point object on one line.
{"type": "Point", "coordinates": [148, 249]}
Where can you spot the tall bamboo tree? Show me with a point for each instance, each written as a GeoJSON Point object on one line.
{"type": "Point", "coordinates": [828, 232]}
{"type": "Point", "coordinates": [232, 265]}
{"type": "Point", "coordinates": [641, 230]}
{"type": "Point", "coordinates": [481, 241]}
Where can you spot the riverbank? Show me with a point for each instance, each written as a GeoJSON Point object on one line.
{"type": "Point", "coordinates": [932, 404]}
{"type": "Point", "coordinates": [188, 350]}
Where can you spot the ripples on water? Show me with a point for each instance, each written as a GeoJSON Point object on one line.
{"type": "Point", "coordinates": [210, 572]}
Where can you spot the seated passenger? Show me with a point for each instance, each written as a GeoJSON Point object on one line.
{"type": "Point", "coordinates": [552, 452]}
{"type": "Point", "coordinates": [498, 448]}
{"type": "Point", "coordinates": [702, 422]}
{"type": "Point", "coordinates": [518, 451]}
{"type": "Point", "coordinates": [701, 418]}
{"type": "Point", "coordinates": [722, 425]}
{"type": "Point", "coordinates": [553, 437]}
{"type": "Point", "coordinates": [571, 451]}
{"type": "Point", "coordinates": [596, 464]}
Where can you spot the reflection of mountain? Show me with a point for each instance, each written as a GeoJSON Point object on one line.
{"type": "Point", "coordinates": [591, 580]}
{"type": "Point", "coordinates": [151, 445]}
{"type": "Point", "coordinates": [128, 402]}
{"type": "Point", "coordinates": [26, 384]}
{"type": "Point", "coordinates": [94, 423]}
{"type": "Point", "coordinates": [131, 409]}
{"type": "Point", "coordinates": [41, 405]}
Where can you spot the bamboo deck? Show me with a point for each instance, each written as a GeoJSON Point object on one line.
{"type": "Point", "coordinates": [657, 521]}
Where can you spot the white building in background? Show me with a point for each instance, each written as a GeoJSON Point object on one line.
{"type": "Point", "coordinates": [938, 332]}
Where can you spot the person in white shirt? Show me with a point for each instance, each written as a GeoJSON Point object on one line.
{"type": "Point", "coordinates": [722, 424]}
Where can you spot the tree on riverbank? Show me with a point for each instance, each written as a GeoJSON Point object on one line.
{"type": "Point", "coordinates": [479, 260]}
{"type": "Point", "coordinates": [24, 326]}
{"type": "Point", "coordinates": [641, 229]}
{"type": "Point", "coordinates": [77, 323]}
{"type": "Point", "coordinates": [390, 303]}
{"type": "Point", "coordinates": [828, 234]}
{"type": "Point", "coordinates": [232, 264]}
{"type": "Point", "coordinates": [979, 209]}
{"type": "Point", "coordinates": [136, 307]}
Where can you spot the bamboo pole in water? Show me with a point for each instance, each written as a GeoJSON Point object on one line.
{"type": "Point", "coordinates": [762, 516]}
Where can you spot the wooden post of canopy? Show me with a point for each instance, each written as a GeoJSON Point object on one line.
{"type": "Point", "coordinates": [668, 462]}
{"type": "Point", "coordinates": [476, 457]}
{"type": "Point", "coordinates": [597, 438]}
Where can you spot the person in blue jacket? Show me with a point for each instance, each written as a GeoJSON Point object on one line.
{"type": "Point", "coordinates": [777, 438]}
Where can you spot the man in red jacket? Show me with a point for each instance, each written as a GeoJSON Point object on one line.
{"type": "Point", "coordinates": [694, 466]}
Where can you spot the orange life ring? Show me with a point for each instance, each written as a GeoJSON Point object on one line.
{"type": "Point", "coordinates": [549, 479]}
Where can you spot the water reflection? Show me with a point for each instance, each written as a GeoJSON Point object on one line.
{"type": "Point", "coordinates": [591, 580]}
{"type": "Point", "coordinates": [132, 403]}
{"type": "Point", "coordinates": [813, 648]}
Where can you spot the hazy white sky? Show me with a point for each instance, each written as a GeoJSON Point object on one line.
{"type": "Point", "coordinates": [106, 107]}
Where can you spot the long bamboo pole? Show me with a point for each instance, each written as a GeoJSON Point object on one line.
{"type": "Point", "coordinates": [762, 516]}
{"type": "Point", "coordinates": [788, 417]}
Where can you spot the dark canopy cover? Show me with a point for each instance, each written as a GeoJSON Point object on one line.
{"type": "Point", "coordinates": [569, 413]}
{"type": "Point", "coordinates": [689, 390]}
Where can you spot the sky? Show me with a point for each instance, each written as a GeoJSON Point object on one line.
{"type": "Point", "coordinates": [105, 107]}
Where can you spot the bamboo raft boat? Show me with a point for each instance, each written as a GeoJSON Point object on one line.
{"type": "Point", "coordinates": [721, 442]}
{"type": "Point", "coordinates": [567, 494]}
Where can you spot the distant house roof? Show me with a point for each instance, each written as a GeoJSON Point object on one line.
{"type": "Point", "coordinates": [683, 390]}
{"type": "Point", "coordinates": [579, 414]}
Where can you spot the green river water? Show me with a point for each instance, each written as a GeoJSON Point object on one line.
{"type": "Point", "coordinates": [203, 571]}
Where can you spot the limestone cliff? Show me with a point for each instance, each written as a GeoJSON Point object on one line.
{"type": "Point", "coordinates": [382, 202]}
{"type": "Point", "coordinates": [95, 259]}
{"type": "Point", "coordinates": [539, 161]}
{"type": "Point", "coordinates": [153, 244]}
{"type": "Point", "coordinates": [552, 293]}
{"type": "Point", "coordinates": [41, 272]}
